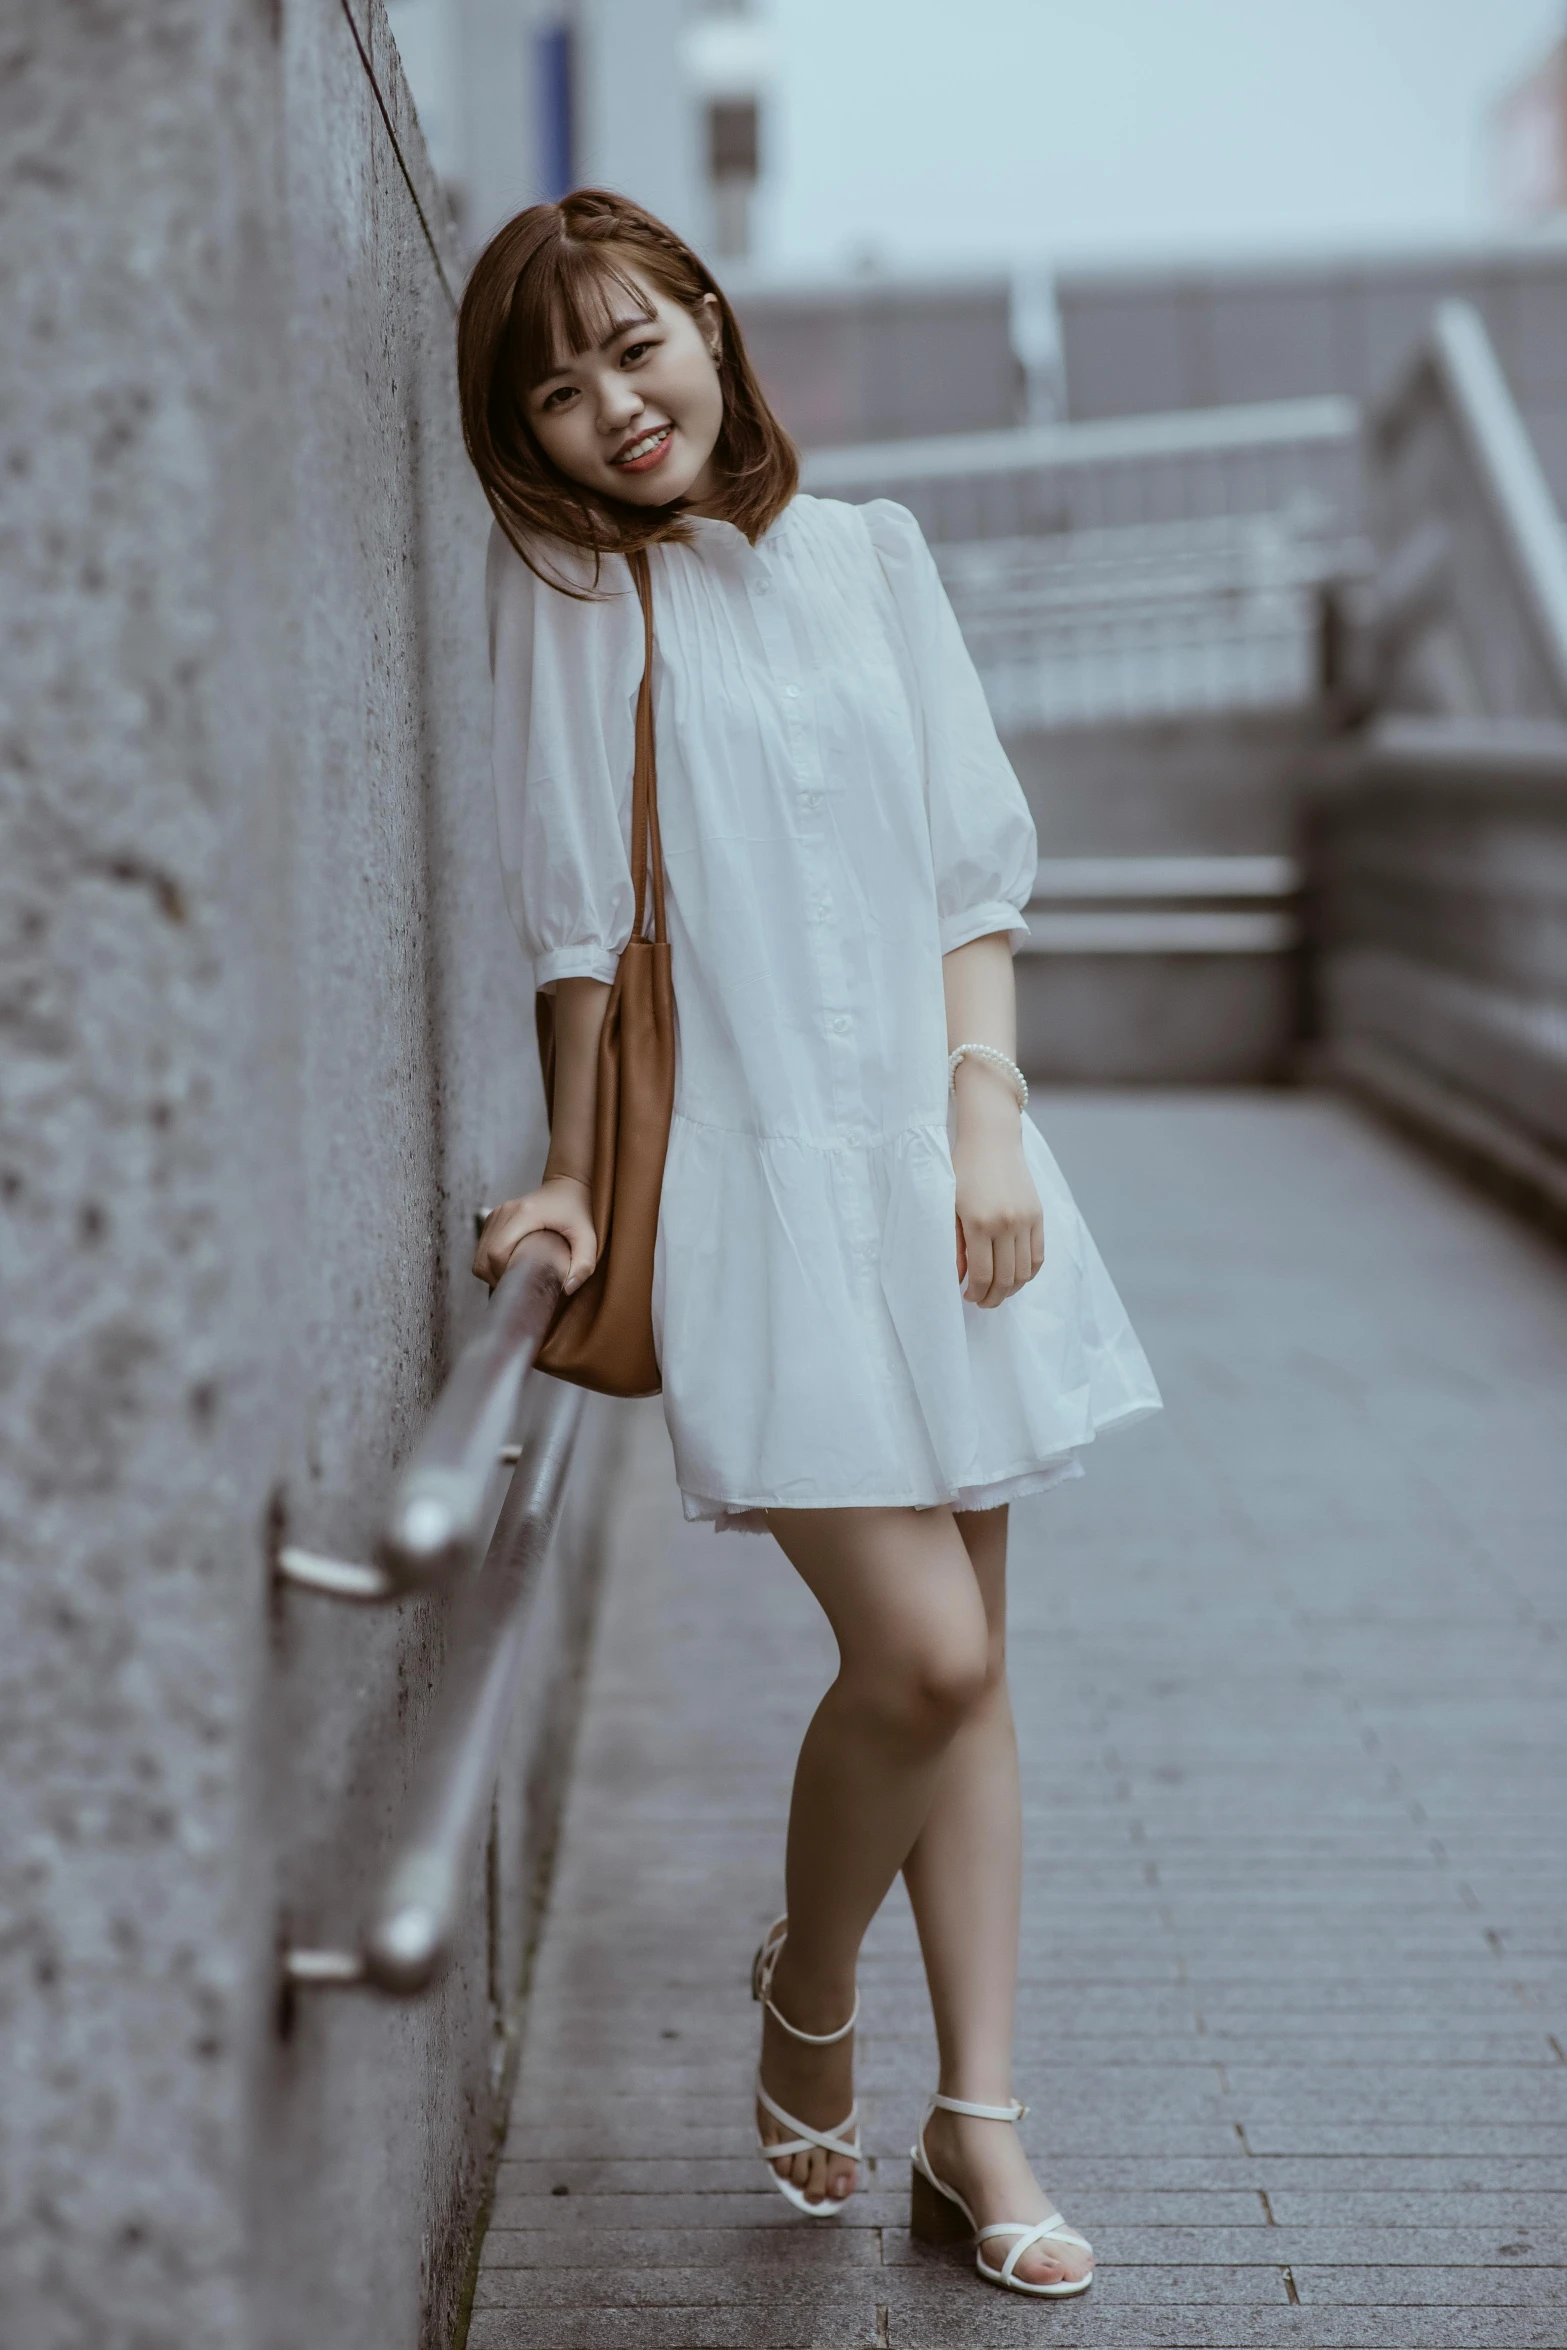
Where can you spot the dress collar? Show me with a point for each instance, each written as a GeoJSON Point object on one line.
{"type": "Point", "coordinates": [708, 530]}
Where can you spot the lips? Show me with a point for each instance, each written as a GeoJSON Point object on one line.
{"type": "Point", "coordinates": [642, 453]}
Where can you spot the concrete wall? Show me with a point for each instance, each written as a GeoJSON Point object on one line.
{"type": "Point", "coordinates": [265, 1045]}
{"type": "Point", "coordinates": [1138, 342]}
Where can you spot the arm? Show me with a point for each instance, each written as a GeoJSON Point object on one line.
{"type": "Point", "coordinates": [566, 676]}
{"type": "Point", "coordinates": [561, 1202]}
{"type": "Point", "coordinates": [1001, 1232]}
{"type": "Point", "coordinates": [985, 858]}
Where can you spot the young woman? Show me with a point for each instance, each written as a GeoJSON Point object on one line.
{"type": "Point", "coordinates": [879, 1316]}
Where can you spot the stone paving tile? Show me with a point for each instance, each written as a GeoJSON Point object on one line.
{"type": "Point", "coordinates": [1150, 2206]}
{"type": "Point", "coordinates": [1389, 2247]}
{"type": "Point", "coordinates": [1480, 2141]}
{"type": "Point", "coordinates": [1289, 1668]}
{"type": "Point", "coordinates": [613, 2287]}
{"type": "Point", "coordinates": [1431, 2288]}
{"type": "Point", "coordinates": [1511, 2215]}
{"type": "Point", "coordinates": [739, 2284]}
{"type": "Point", "coordinates": [1004, 2321]}
{"type": "Point", "coordinates": [802, 2325]}
{"type": "Point", "coordinates": [1542, 2183]}
{"type": "Point", "coordinates": [759, 2209]}
{"type": "Point", "coordinates": [761, 2247]}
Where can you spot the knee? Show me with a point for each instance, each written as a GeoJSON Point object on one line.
{"type": "Point", "coordinates": [928, 1691]}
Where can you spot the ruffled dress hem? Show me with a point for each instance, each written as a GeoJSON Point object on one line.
{"type": "Point", "coordinates": [750, 1517]}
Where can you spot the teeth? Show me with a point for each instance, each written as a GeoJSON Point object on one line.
{"type": "Point", "coordinates": [640, 448]}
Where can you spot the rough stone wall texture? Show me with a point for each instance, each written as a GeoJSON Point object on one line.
{"type": "Point", "coordinates": [264, 1045]}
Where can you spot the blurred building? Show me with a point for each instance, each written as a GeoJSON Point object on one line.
{"type": "Point", "coordinates": [520, 100]}
{"type": "Point", "coordinates": [729, 62]}
{"type": "Point", "coordinates": [1154, 341]}
{"type": "Point", "coordinates": [885, 358]}
{"type": "Point", "coordinates": [1157, 591]}
{"type": "Point", "coordinates": [1529, 141]}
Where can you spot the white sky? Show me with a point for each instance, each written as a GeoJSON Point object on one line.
{"type": "Point", "coordinates": [930, 132]}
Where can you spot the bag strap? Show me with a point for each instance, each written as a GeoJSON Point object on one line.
{"type": "Point", "coordinates": [644, 777]}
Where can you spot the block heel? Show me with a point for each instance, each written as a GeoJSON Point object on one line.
{"type": "Point", "coordinates": [933, 2219]}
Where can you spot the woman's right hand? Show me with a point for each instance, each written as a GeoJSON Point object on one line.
{"type": "Point", "coordinates": [561, 1204]}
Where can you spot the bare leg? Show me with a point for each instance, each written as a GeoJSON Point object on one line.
{"type": "Point", "coordinates": [964, 1877]}
{"type": "Point", "coordinates": [899, 1590]}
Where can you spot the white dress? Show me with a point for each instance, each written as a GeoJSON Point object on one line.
{"type": "Point", "coordinates": [837, 814]}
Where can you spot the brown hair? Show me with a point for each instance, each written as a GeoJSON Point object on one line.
{"type": "Point", "coordinates": [542, 286]}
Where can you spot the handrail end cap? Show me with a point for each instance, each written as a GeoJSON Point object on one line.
{"type": "Point", "coordinates": [406, 1949]}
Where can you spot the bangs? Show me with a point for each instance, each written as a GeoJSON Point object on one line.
{"type": "Point", "coordinates": [571, 301]}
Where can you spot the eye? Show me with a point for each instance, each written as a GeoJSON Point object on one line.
{"type": "Point", "coordinates": [633, 352]}
{"type": "Point", "coordinates": [553, 401]}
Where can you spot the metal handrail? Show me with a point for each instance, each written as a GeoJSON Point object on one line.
{"type": "Point", "coordinates": [413, 1917]}
{"type": "Point", "coordinates": [1202, 432]}
{"type": "Point", "coordinates": [445, 1500]}
{"type": "Point", "coordinates": [1504, 455]}
{"type": "Point", "coordinates": [449, 1498]}
{"type": "Point", "coordinates": [1459, 362]}
{"type": "Point", "coordinates": [1168, 879]}
{"type": "Point", "coordinates": [436, 1516]}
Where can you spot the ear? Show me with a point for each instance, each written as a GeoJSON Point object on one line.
{"type": "Point", "coordinates": [711, 327]}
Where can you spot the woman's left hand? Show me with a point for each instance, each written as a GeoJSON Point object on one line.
{"type": "Point", "coordinates": [1001, 1227]}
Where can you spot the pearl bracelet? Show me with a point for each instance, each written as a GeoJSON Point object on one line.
{"type": "Point", "coordinates": [996, 1059]}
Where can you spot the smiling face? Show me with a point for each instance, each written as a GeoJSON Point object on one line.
{"type": "Point", "coordinates": [636, 418]}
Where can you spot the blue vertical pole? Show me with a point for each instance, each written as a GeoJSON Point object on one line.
{"type": "Point", "coordinates": [557, 111]}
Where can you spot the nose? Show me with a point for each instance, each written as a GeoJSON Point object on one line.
{"type": "Point", "coordinates": [619, 405]}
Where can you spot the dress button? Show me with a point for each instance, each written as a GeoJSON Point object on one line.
{"type": "Point", "coordinates": [792, 692]}
{"type": "Point", "coordinates": [841, 1025]}
{"type": "Point", "coordinates": [813, 799]}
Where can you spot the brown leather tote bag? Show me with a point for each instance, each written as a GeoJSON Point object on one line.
{"type": "Point", "coordinates": [602, 1336]}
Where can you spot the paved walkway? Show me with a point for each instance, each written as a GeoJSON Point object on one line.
{"type": "Point", "coordinates": [1290, 1670]}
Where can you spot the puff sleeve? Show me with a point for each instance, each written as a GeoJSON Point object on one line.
{"type": "Point", "coordinates": [982, 835]}
{"type": "Point", "coordinates": [565, 676]}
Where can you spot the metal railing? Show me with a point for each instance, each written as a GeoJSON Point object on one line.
{"type": "Point", "coordinates": [1158, 620]}
{"type": "Point", "coordinates": [1128, 474]}
{"type": "Point", "coordinates": [1468, 617]}
{"type": "Point", "coordinates": [453, 1499]}
{"type": "Point", "coordinates": [1183, 905]}
{"type": "Point", "coordinates": [1164, 567]}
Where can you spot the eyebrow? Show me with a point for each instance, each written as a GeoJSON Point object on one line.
{"type": "Point", "coordinates": [618, 327]}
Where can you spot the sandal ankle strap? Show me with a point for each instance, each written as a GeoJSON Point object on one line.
{"type": "Point", "coordinates": [1012, 2112]}
{"type": "Point", "coordinates": [762, 1989]}
{"type": "Point", "coordinates": [814, 2039]}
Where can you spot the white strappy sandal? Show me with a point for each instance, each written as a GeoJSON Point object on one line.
{"type": "Point", "coordinates": [836, 2141]}
{"type": "Point", "coordinates": [934, 2209]}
